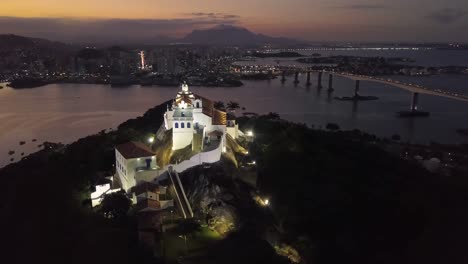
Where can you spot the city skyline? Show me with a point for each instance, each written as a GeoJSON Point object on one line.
{"type": "Point", "coordinates": [417, 21]}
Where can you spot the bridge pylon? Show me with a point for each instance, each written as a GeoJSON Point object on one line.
{"type": "Point", "coordinates": [356, 88]}
{"type": "Point", "coordinates": [414, 112]}
{"type": "Point", "coordinates": [296, 78]}
{"type": "Point", "coordinates": [319, 83]}
{"type": "Point", "coordinates": [330, 82]}
{"type": "Point", "coordinates": [414, 102]}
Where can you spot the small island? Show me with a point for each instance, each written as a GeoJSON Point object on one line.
{"type": "Point", "coordinates": [374, 66]}
{"type": "Point", "coordinates": [26, 83]}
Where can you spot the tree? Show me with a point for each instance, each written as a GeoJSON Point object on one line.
{"type": "Point", "coordinates": [115, 205]}
{"type": "Point", "coordinates": [332, 126]}
{"type": "Point", "coordinates": [396, 137]}
{"type": "Point", "coordinates": [219, 105]}
{"type": "Point", "coordinates": [186, 228]}
{"type": "Point", "coordinates": [233, 105]}
{"type": "Point", "coordinates": [272, 116]}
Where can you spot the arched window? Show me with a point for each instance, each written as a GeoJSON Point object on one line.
{"type": "Point", "coordinates": [198, 104]}
{"type": "Point", "coordinates": [188, 125]}
{"type": "Point", "coordinates": [176, 125]}
{"type": "Point", "coordinates": [182, 125]}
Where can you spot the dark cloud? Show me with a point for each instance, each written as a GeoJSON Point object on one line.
{"type": "Point", "coordinates": [201, 14]}
{"type": "Point", "coordinates": [212, 15]}
{"type": "Point", "coordinates": [110, 30]}
{"type": "Point", "coordinates": [447, 15]}
{"type": "Point", "coordinates": [230, 16]}
{"type": "Point", "coordinates": [362, 6]}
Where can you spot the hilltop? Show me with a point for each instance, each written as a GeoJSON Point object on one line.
{"type": "Point", "coordinates": [334, 197]}
{"type": "Point", "coordinates": [232, 35]}
{"type": "Point", "coordinates": [10, 42]}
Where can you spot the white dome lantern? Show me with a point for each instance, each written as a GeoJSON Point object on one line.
{"type": "Point", "coordinates": [185, 88]}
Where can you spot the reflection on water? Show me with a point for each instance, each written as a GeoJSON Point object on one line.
{"type": "Point", "coordinates": [66, 112]}
{"type": "Point", "coordinates": [410, 126]}
{"type": "Point", "coordinates": [355, 109]}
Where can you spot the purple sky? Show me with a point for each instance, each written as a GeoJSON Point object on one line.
{"type": "Point", "coordinates": [315, 20]}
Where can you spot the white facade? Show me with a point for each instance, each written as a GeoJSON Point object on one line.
{"type": "Point", "coordinates": [186, 118]}
{"type": "Point", "coordinates": [129, 170]}
{"type": "Point", "coordinates": [101, 191]}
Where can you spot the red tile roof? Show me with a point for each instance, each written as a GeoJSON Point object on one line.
{"type": "Point", "coordinates": [133, 150]}
{"type": "Point", "coordinates": [207, 104]}
{"type": "Point", "coordinates": [219, 117]}
{"type": "Point", "coordinates": [184, 97]}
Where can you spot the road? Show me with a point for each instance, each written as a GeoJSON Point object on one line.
{"type": "Point", "coordinates": [407, 86]}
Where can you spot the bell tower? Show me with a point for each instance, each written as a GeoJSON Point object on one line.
{"type": "Point", "coordinates": [185, 88]}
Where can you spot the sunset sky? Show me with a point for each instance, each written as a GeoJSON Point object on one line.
{"type": "Point", "coordinates": [316, 20]}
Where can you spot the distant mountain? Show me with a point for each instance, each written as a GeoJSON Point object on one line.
{"type": "Point", "coordinates": [232, 35]}
{"type": "Point", "coordinates": [11, 42]}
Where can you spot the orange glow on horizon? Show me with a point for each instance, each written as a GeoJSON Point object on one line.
{"type": "Point", "coordinates": [303, 19]}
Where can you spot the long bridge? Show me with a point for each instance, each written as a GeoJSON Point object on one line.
{"type": "Point", "coordinates": [415, 88]}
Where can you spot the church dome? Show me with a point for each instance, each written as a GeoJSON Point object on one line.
{"type": "Point", "coordinates": [185, 97]}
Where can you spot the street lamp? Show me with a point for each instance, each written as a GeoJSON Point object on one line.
{"type": "Point", "coordinates": [250, 133]}
{"type": "Point", "coordinates": [151, 139]}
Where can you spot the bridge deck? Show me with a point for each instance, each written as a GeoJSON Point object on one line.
{"type": "Point", "coordinates": [407, 86]}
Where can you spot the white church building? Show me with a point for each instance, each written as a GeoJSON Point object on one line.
{"type": "Point", "coordinates": [194, 120]}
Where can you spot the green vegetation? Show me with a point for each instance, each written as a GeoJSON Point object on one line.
{"type": "Point", "coordinates": [232, 105]}
{"type": "Point", "coordinates": [115, 206]}
{"type": "Point", "coordinates": [188, 238]}
{"type": "Point", "coordinates": [332, 126]}
{"type": "Point", "coordinates": [338, 197]}
{"type": "Point", "coordinates": [219, 105]}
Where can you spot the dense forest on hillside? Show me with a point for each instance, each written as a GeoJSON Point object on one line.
{"type": "Point", "coordinates": [339, 197]}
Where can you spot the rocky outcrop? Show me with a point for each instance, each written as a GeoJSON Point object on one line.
{"type": "Point", "coordinates": [211, 202]}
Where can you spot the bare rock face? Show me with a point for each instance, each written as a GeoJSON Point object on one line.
{"type": "Point", "coordinates": [211, 202]}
